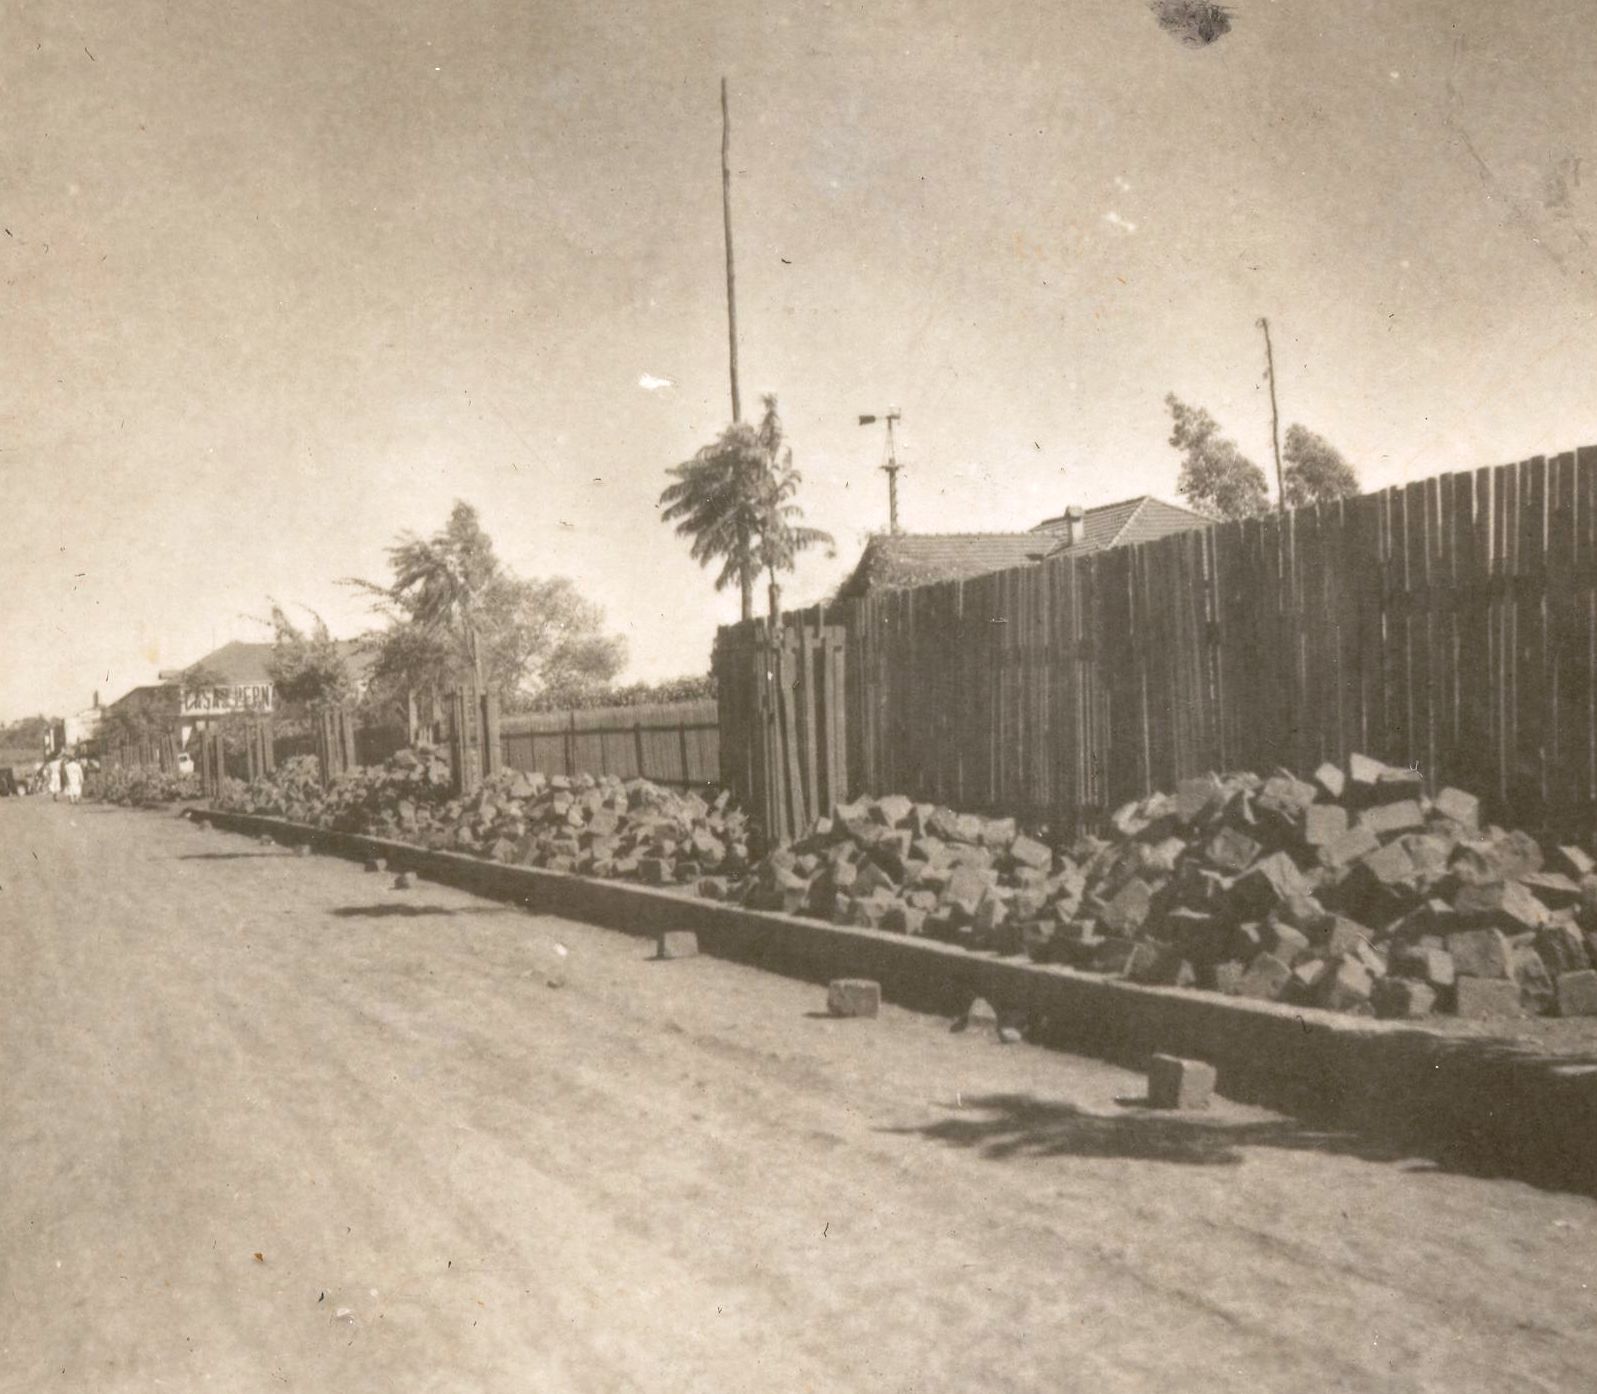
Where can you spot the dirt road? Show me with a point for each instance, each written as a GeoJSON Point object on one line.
{"type": "Point", "coordinates": [267, 1123]}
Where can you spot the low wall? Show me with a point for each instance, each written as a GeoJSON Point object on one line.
{"type": "Point", "coordinates": [1485, 1104]}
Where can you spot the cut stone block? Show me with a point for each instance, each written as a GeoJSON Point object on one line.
{"type": "Point", "coordinates": [1287, 943]}
{"type": "Point", "coordinates": [1563, 948]}
{"type": "Point", "coordinates": [376, 863]}
{"type": "Point", "coordinates": [677, 943]}
{"type": "Point", "coordinates": [1576, 861]}
{"type": "Point", "coordinates": [1026, 851]}
{"type": "Point", "coordinates": [1128, 911]}
{"type": "Point", "coordinates": [1482, 999]}
{"type": "Point", "coordinates": [1505, 905]}
{"type": "Point", "coordinates": [1356, 842]}
{"type": "Point", "coordinates": [404, 881]}
{"type": "Point", "coordinates": [1555, 890]}
{"type": "Point", "coordinates": [851, 997]}
{"type": "Point", "coordinates": [1179, 1084]}
{"type": "Point", "coordinates": [1479, 953]}
{"type": "Point", "coordinates": [1232, 851]}
{"type": "Point", "coordinates": [1266, 978]}
{"type": "Point", "coordinates": [1323, 824]}
{"type": "Point", "coordinates": [1194, 797]}
{"type": "Point", "coordinates": [1388, 866]}
{"type": "Point", "coordinates": [979, 1015]}
{"type": "Point", "coordinates": [1460, 807]}
{"type": "Point", "coordinates": [1331, 779]}
{"type": "Point", "coordinates": [1433, 966]}
{"type": "Point", "coordinates": [302, 849]}
{"type": "Point", "coordinates": [1577, 993]}
{"type": "Point", "coordinates": [1403, 999]}
{"type": "Point", "coordinates": [1390, 819]}
{"type": "Point", "coordinates": [1346, 986]}
{"type": "Point", "coordinates": [1536, 992]}
{"type": "Point", "coordinates": [1270, 882]}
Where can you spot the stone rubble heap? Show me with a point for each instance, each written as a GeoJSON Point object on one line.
{"type": "Point", "coordinates": [606, 827]}
{"type": "Point", "coordinates": [1355, 892]}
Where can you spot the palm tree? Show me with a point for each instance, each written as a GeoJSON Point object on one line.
{"type": "Point", "coordinates": [438, 601]}
{"type": "Point", "coordinates": [734, 500]}
{"type": "Point", "coordinates": [782, 532]}
{"type": "Point", "coordinates": [715, 502]}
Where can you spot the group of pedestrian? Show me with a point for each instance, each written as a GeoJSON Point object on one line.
{"type": "Point", "coordinates": [64, 775]}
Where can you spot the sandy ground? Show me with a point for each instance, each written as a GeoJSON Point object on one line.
{"type": "Point", "coordinates": [267, 1123]}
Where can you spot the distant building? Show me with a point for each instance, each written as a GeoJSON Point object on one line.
{"type": "Point", "coordinates": [80, 728]}
{"type": "Point", "coordinates": [915, 559]}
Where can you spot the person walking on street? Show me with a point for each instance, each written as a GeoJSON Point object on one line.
{"type": "Point", "coordinates": [73, 770]}
{"type": "Point", "coordinates": [52, 778]}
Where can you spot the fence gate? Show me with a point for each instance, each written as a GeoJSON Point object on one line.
{"type": "Point", "coordinates": [783, 719]}
{"type": "Point", "coordinates": [474, 750]}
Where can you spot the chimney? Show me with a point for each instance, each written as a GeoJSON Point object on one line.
{"type": "Point", "coordinates": [1075, 525]}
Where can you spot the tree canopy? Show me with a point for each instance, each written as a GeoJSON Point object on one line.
{"type": "Point", "coordinates": [307, 667]}
{"type": "Point", "coordinates": [1216, 478]}
{"type": "Point", "coordinates": [736, 502]}
{"type": "Point", "coordinates": [454, 608]}
{"type": "Point", "coordinates": [1314, 470]}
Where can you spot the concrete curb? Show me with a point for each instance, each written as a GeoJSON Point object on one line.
{"type": "Point", "coordinates": [1488, 1105]}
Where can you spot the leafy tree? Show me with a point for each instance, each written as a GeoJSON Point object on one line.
{"type": "Point", "coordinates": [1315, 471]}
{"type": "Point", "coordinates": [735, 501]}
{"type": "Point", "coordinates": [306, 667]}
{"type": "Point", "coordinates": [138, 717]}
{"type": "Point", "coordinates": [454, 607]}
{"type": "Point", "coordinates": [1216, 479]}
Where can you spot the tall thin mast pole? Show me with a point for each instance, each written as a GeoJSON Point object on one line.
{"type": "Point", "coordinates": [726, 220]}
{"type": "Point", "coordinates": [892, 479]}
{"type": "Point", "coordinates": [1275, 417]}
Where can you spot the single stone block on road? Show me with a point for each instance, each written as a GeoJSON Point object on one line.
{"type": "Point", "coordinates": [302, 849]}
{"type": "Point", "coordinates": [853, 997]}
{"type": "Point", "coordinates": [404, 881]}
{"type": "Point", "coordinates": [1177, 1083]}
{"type": "Point", "coordinates": [677, 943]}
{"type": "Point", "coordinates": [376, 864]}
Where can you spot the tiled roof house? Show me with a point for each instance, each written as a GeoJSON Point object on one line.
{"type": "Point", "coordinates": [913, 559]}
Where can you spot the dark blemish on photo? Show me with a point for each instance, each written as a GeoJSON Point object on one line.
{"type": "Point", "coordinates": [1195, 23]}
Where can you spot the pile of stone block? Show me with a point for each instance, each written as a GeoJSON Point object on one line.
{"type": "Point", "coordinates": [1354, 891]}
{"type": "Point", "coordinates": [629, 829]}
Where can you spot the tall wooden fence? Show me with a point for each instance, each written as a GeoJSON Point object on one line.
{"type": "Point", "coordinates": [1450, 624]}
{"type": "Point", "coordinates": [673, 743]}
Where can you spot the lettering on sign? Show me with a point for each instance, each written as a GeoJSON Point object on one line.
{"type": "Point", "coordinates": [218, 701]}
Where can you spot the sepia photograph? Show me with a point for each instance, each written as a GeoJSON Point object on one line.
{"type": "Point", "coordinates": [855, 695]}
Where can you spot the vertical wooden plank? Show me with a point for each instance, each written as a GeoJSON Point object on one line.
{"type": "Point", "coordinates": [1530, 617]}
{"type": "Point", "coordinates": [1561, 735]}
{"type": "Point", "coordinates": [1584, 621]}
{"type": "Point", "coordinates": [1416, 603]}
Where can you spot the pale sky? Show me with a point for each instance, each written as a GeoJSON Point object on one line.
{"type": "Point", "coordinates": [285, 278]}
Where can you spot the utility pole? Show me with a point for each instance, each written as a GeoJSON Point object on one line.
{"type": "Point", "coordinates": [1275, 417]}
{"type": "Point", "coordinates": [726, 222]}
{"type": "Point", "coordinates": [891, 468]}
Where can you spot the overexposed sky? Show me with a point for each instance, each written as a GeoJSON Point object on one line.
{"type": "Point", "coordinates": [285, 278]}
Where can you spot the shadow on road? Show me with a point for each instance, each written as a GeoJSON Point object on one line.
{"type": "Point", "coordinates": [999, 1127]}
{"type": "Point", "coordinates": [227, 856]}
{"type": "Point", "coordinates": [389, 910]}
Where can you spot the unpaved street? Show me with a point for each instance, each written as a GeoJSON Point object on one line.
{"type": "Point", "coordinates": [270, 1124]}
